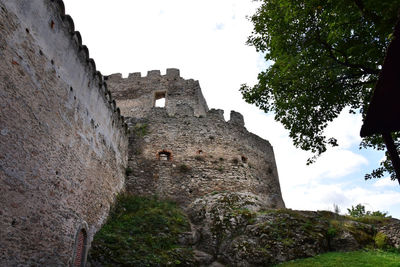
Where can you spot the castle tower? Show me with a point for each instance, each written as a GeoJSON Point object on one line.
{"type": "Point", "coordinates": [183, 151]}
{"type": "Point", "coordinates": [137, 95]}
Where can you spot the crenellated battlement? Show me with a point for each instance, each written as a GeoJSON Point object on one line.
{"type": "Point", "coordinates": [137, 95]}
{"type": "Point", "coordinates": [137, 76]}
{"type": "Point", "coordinates": [171, 74]}
{"type": "Point", "coordinates": [54, 29]}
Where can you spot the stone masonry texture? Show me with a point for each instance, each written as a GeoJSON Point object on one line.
{"type": "Point", "coordinates": [185, 151]}
{"type": "Point", "coordinates": [63, 143]}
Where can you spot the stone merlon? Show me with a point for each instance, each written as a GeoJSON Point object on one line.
{"type": "Point", "coordinates": [236, 118]}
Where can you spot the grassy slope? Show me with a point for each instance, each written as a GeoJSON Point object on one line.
{"type": "Point", "coordinates": [349, 259]}
{"type": "Point", "coordinates": [142, 232]}
{"type": "Point", "coordinates": [145, 231]}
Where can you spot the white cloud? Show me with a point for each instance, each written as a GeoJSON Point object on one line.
{"type": "Point", "coordinates": [322, 197]}
{"type": "Point", "coordinates": [386, 182]}
{"type": "Point", "coordinates": [338, 162]}
{"type": "Point", "coordinates": [346, 129]}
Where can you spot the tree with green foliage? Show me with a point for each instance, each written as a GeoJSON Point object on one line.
{"type": "Point", "coordinates": [325, 56]}
{"type": "Point", "coordinates": [359, 211]}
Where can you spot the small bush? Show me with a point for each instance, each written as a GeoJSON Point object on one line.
{"type": "Point", "coordinates": [358, 213]}
{"type": "Point", "coordinates": [380, 240]}
{"type": "Point", "coordinates": [235, 161]}
{"type": "Point", "coordinates": [332, 232]}
{"type": "Point", "coordinates": [140, 129]}
{"type": "Point", "coordinates": [380, 214]}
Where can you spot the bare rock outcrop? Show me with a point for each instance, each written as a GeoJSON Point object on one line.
{"type": "Point", "coordinates": [237, 231]}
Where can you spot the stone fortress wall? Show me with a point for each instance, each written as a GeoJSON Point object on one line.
{"type": "Point", "coordinates": [184, 151]}
{"type": "Point", "coordinates": [63, 143]}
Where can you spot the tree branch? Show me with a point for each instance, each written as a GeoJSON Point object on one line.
{"type": "Point", "coordinates": [366, 14]}
{"type": "Point", "coordinates": [348, 84]}
{"type": "Point", "coordinates": [346, 62]}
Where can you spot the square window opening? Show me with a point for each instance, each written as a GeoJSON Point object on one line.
{"type": "Point", "coordinates": [159, 99]}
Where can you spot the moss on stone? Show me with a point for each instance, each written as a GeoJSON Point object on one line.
{"type": "Point", "coordinates": [380, 240]}
{"type": "Point", "coordinates": [140, 129]}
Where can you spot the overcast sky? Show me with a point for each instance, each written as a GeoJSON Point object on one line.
{"type": "Point", "coordinates": [206, 41]}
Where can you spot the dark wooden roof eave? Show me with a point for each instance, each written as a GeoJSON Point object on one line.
{"type": "Point", "coordinates": [383, 115]}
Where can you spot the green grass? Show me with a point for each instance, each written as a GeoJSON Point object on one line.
{"type": "Point", "coordinates": [142, 231]}
{"type": "Point", "coordinates": [361, 258]}
{"type": "Point", "coordinates": [369, 219]}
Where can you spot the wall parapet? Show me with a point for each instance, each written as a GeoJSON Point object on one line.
{"type": "Point", "coordinates": [171, 73]}
{"type": "Point", "coordinates": [136, 95]}
{"type": "Point", "coordinates": [59, 23]}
